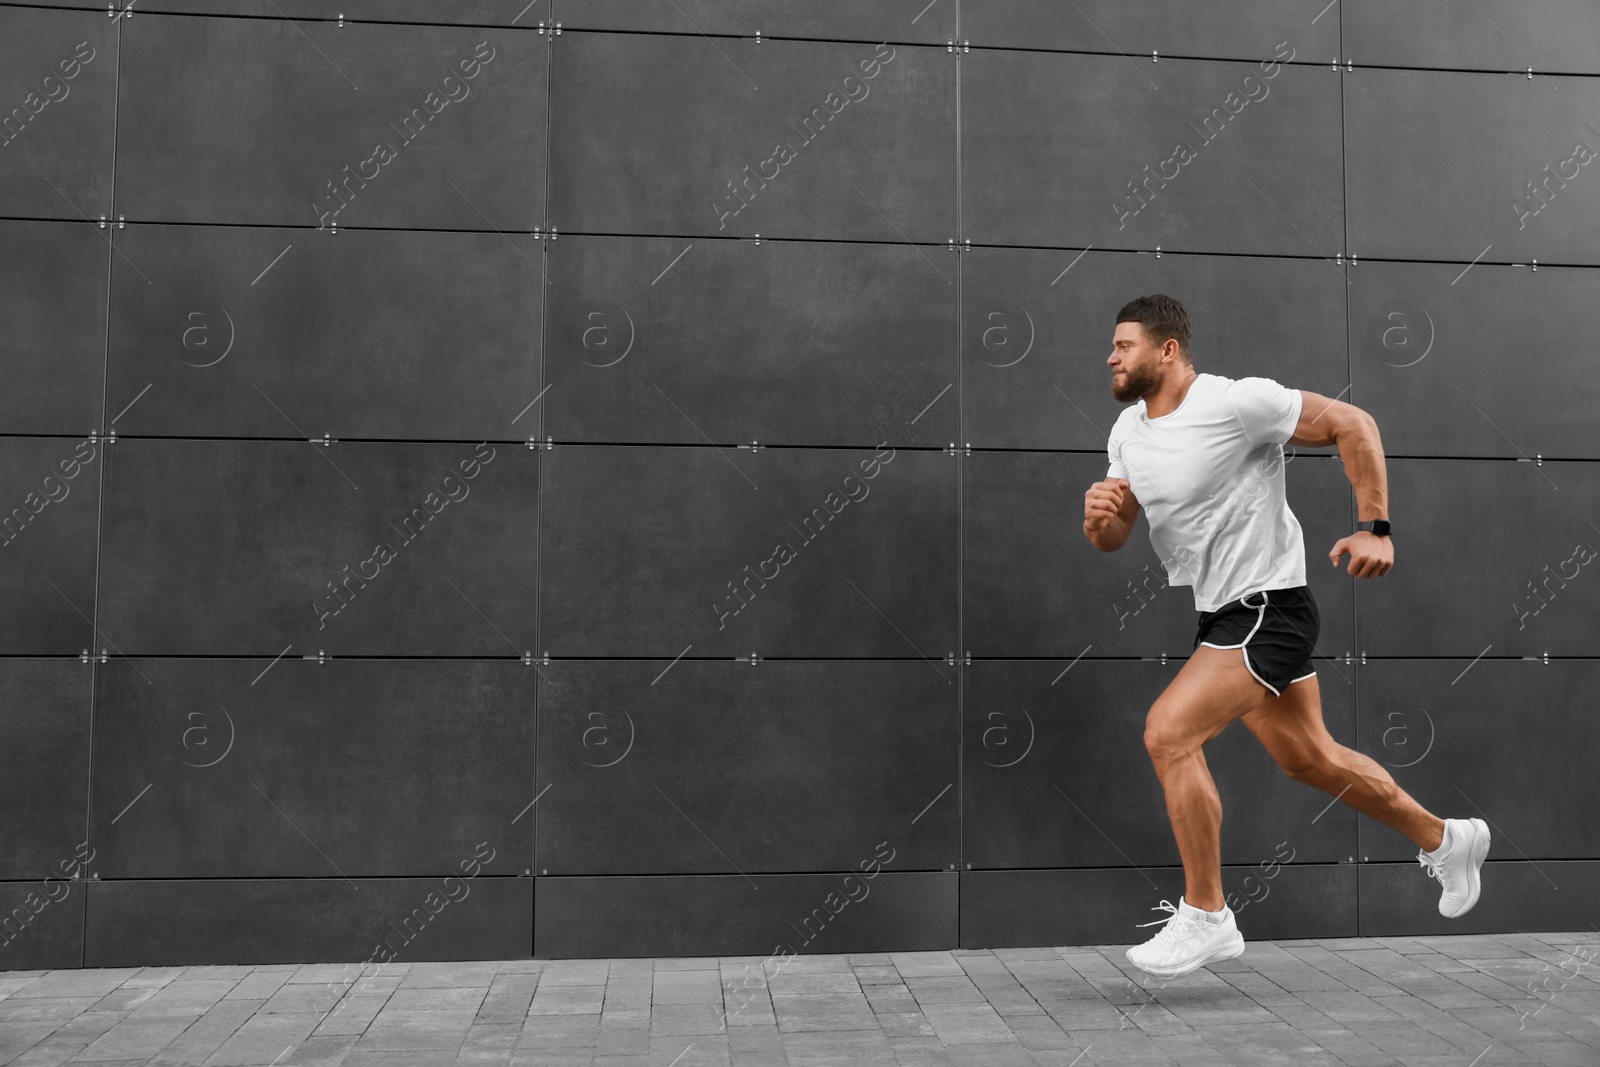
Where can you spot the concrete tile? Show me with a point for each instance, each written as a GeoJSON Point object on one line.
{"type": "Point", "coordinates": [920, 964]}
{"type": "Point", "coordinates": [320, 1051]}
{"type": "Point", "coordinates": [424, 1029]}
{"type": "Point", "coordinates": [258, 985]}
{"type": "Point", "coordinates": [352, 1015]}
{"type": "Point", "coordinates": [203, 1037]}
{"type": "Point", "coordinates": [559, 1031]}
{"type": "Point", "coordinates": [823, 1011]}
{"type": "Point", "coordinates": [1039, 1032]}
{"type": "Point", "coordinates": [687, 963]}
{"type": "Point", "coordinates": [567, 1000]}
{"type": "Point", "coordinates": [686, 1019]}
{"type": "Point", "coordinates": [437, 975]}
{"type": "Point", "coordinates": [815, 982]}
{"type": "Point", "coordinates": [870, 1049]}
{"type": "Point", "coordinates": [183, 997]}
{"type": "Point", "coordinates": [505, 1008]}
{"type": "Point", "coordinates": [944, 989]}
{"type": "Point", "coordinates": [155, 976]}
{"type": "Point", "coordinates": [263, 1038]}
{"type": "Point", "coordinates": [967, 1023]}
{"type": "Point", "coordinates": [136, 1039]}
{"type": "Point", "coordinates": [440, 998]}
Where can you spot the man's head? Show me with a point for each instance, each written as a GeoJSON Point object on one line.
{"type": "Point", "coordinates": [1150, 346]}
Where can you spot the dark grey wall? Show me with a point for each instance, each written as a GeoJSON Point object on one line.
{"type": "Point", "coordinates": [430, 594]}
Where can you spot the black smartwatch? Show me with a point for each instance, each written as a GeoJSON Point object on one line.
{"type": "Point", "coordinates": [1377, 526]}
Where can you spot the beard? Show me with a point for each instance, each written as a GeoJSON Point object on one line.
{"type": "Point", "coordinates": [1136, 383]}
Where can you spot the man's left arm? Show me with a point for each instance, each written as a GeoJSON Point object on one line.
{"type": "Point", "coordinates": [1325, 421]}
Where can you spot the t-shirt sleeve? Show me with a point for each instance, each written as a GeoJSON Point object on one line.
{"type": "Point", "coordinates": [1114, 456]}
{"type": "Point", "coordinates": [1268, 411]}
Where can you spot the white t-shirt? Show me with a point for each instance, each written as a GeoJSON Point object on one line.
{"type": "Point", "coordinates": [1209, 476]}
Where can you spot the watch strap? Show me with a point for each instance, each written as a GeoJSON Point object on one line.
{"type": "Point", "coordinates": [1377, 526]}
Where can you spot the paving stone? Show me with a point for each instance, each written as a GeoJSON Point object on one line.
{"type": "Point", "coordinates": [832, 1049]}
{"type": "Point", "coordinates": [320, 1051]}
{"type": "Point", "coordinates": [263, 1038]}
{"type": "Point", "coordinates": [51, 1052]}
{"type": "Point", "coordinates": [823, 1011]}
{"type": "Point", "coordinates": [352, 1015]}
{"type": "Point", "coordinates": [944, 989]}
{"type": "Point", "coordinates": [1190, 1050]}
{"type": "Point", "coordinates": [687, 963]}
{"type": "Point", "coordinates": [814, 982]}
{"type": "Point", "coordinates": [413, 1029]}
{"type": "Point", "coordinates": [558, 973]}
{"type": "Point", "coordinates": [906, 1024]}
{"type": "Point", "coordinates": [303, 997]}
{"type": "Point", "coordinates": [1039, 1032]}
{"type": "Point", "coordinates": [921, 964]}
{"type": "Point", "coordinates": [877, 975]}
{"type": "Point", "coordinates": [258, 985]}
{"type": "Point", "coordinates": [559, 1031]}
{"type": "Point", "coordinates": [567, 1000]}
{"type": "Point", "coordinates": [686, 1019]}
{"type": "Point", "coordinates": [686, 987]}
{"type": "Point", "coordinates": [183, 997]}
{"type": "Point", "coordinates": [155, 976]}
{"type": "Point", "coordinates": [136, 1039]}
{"type": "Point", "coordinates": [204, 1036]}
{"type": "Point", "coordinates": [437, 975]}
{"type": "Point", "coordinates": [505, 1007]}
{"type": "Point", "coordinates": [966, 1023]}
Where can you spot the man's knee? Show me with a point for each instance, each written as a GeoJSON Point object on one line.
{"type": "Point", "coordinates": [1167, 740]}
{"type": "Point", "coordinates": [1311, 764]}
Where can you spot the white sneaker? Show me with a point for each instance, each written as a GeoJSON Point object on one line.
{"type": "Point", "coordinates": [1455, 864]}
{"type": "Point", "coordinates": [1188, 940]}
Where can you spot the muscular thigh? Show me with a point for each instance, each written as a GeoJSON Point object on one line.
{"type": "Point", "coordinates": [1290, 725]}
{"type": "Point", "coordinates": [1213, 688]}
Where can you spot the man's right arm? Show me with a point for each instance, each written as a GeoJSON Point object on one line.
{"type": "Point", "coordinates": [1110, 510]}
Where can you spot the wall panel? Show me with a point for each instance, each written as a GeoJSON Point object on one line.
{"type": "Point", "coordinates": [1234, 29]}
{"type": "Point", "coordinates": [169, 922]}
{"type": "Point", "coordinates": [688, 342]}
{"type": "Point", "coordinates": [252, 547]}
{"type": "Point", "coordinates": [1500, 167]}
{"type": "Point", "coordinates": [725, 552]}
{"type": "Point", "coordinates": [51, 488]}
{"type": "Point", "coordinates": [792, 139]}
{"type": "Point", "coordinates": [269, 332]}
{"type": "Point", "coordinates": [1498, 35]}
{"type": "Point", "coordinates": [256, 768]}
{"type": "Point", "coordinates": [368, 125]}
{"type": "Point", "coordinates": [1529, 596]}
{"type": "Point", "coordinates": [58, 84]}
{"type": "Point", "coordinates": [1186, 155]}
{"type": "Point", "coordinates": [52, 297]}
{"type": "Point", "coordinates": [722, 767]}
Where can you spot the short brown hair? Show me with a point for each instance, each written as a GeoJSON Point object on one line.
{"type": "Point", "coordinates": [1162, 319]}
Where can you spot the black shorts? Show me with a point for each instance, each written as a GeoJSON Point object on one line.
{"type": "Point", "coordinates": [1275, 628]}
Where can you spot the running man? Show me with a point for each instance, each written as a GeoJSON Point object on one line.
{"type": "Point", "coordinates": [1204, 454]}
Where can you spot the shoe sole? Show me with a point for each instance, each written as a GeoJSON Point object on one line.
{"type": "Point", "coordinates": [1228, 950]}
{"type": "Point", "coordinates": [1480, 849]}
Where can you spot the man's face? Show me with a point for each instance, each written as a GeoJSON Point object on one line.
{"type": "Point", "coordinates": [1135, 363]}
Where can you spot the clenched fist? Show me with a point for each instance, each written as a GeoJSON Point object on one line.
{"type": "Point", "coordinates": [1102, 503]}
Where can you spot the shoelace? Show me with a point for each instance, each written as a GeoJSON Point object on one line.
{"type": "Point", "coordinates": [1178, 926]}
{"type": "Point", "coordinates": [1435, 868]}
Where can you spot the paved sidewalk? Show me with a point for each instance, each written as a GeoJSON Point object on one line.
{"type": "Point", "coordinates": [1470, 1001]}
